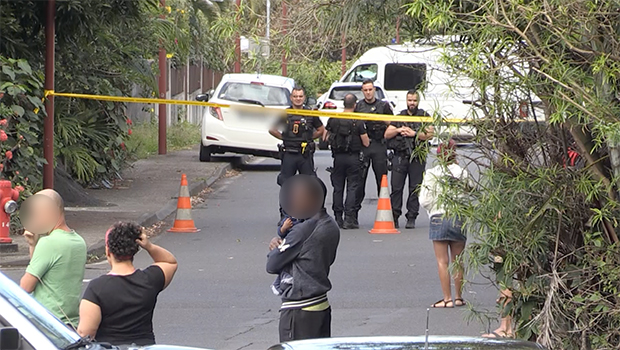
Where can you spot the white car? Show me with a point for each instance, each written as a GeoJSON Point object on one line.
{"type": "Point", "coordinates": [333, 99]}
{"type": "Point", "coordinates": [242, 128]}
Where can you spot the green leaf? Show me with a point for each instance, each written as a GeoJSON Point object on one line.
{"type": "Point", "coordinates": [24, 66]}
{"type": "Point", "coordinates": [8, 71]}
{"type": "Point", "coordinates": [18, 110]}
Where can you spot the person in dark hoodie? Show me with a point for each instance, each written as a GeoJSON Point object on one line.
{"type": "Point", "coordinates": [307, 253]}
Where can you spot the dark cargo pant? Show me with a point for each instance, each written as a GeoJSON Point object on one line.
{"type": "Point", "coordinates": [375, 155]}
{"type": "Point", "coordinates": [347, 167]}
{"type": "Point", "coordinates": [401, 169]}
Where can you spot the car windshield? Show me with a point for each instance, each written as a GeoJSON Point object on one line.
{"type": "Point", "coordinates": [40, 317]}
{"type": "Point", "coordinates": [257, 92]}
{"type": "Point", "coordinates": [339, 92]}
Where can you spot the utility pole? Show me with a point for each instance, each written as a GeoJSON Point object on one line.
{"type": "Point", "coordinates": [163, 119]}
{"type": "Point", "coordinates": [284, 25]}
{"type": "Point", "coordinates": [238, 42]}
{"type": "Point", "coordinates": [398, 30]}
{"type": "Point", "coordinates": [343, 55]}
{"type": "Point", "coordinates": [268, 20]}
{"type": "Point", "coordinates": [48, 126]}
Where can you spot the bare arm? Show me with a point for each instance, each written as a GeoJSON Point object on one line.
{"type": "Point", "coordinates": [429, 133]}
{"type": "Point", "coordinates": [365, 140]}
{"type": "Point", "coordinates": [392, 132]}
{"type": "Point", "coordinates": [161, 257]}
{"type": "Point", "coordinates": [90, 318]}
{"type": "Point", "coordinates": [319, 132]}
{"type": "Point", "coordinates": [28, 282]}
{"type": "Point", "coordinates": [275, 133]}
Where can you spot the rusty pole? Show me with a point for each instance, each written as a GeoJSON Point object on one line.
{"type": "Point", "coordinates": [398, 30]}
{"type": "Point", "coordinates": [48, 126]}
{"type": "Point", "coordinates": [284, 24]}
{"type": "Point", "coordinates": [238, 42]}
{"type": "Point", "coordinates": [343, 55]}
{"type": "Point", "coordinates": [163, 82]}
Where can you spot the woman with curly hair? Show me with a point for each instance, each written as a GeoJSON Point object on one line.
{"type": "Point", "coordinates": [117, 307]}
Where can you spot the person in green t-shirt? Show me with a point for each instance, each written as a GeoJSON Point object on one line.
{"type": "Point", "coordinates": [58, 256]}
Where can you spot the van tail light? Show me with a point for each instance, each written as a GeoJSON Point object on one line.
{"type": "Point", "coordinates": [216, 112]}
{"type": "Point", "coordinates": [523, 110]}
{"type": "Point", "coordinates": [329, 105]}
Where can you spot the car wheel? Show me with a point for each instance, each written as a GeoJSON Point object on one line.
{"type": "Point", "coordinates": [205, 154]}
{"type": "Point", "coordinates": [323, 145]}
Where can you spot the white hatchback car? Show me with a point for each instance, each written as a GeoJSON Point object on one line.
{"type": "Point", "coordinates": [243, 128]}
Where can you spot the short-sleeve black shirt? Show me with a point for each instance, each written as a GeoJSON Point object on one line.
{"type": "Point", "coordinates": [376, 129]}
{"type": "Point", "coordinates": [294, 141]}
{"type": "Point", "coordinates": [395, 142]}
{"type": "Point", "coordinates": [127, 304]}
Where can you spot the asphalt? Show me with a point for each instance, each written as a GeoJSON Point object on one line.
{"type": "Point", "coordinates": [220, 297]}
{"type": "Point", "coordinates": [146, 195]}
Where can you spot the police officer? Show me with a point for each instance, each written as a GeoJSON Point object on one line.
{"type": "Point", "coordinates": [408, 160]}
{"type": "Point", "coordinates": [347, 138]}
{"type": "Point", "coordinates": [376, 153]}
{"type": "Point", "coordinates": [297, 135]}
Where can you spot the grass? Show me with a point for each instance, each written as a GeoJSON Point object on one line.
{"type": "Point", "coordinates": [143, 141]}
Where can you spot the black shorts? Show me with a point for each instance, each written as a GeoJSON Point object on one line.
{"type": "Point", "coordinates": [297, 324]}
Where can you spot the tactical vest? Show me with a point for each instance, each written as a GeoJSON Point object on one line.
{"type": "Point", "coordinates": [376, 130]}
{"type": "Point", "coordinates": [298, 129]}
{"type": "Point", "coordinates": [342, 136]}
{"type": "Point", "coordinates": [401, 144]}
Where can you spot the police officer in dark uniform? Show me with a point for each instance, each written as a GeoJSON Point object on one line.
{"type": "Point", "coordinates": [376, 153]}
{"type": "Point", "coordinates": [408, 160]}
{"type": "Point", "coordinates": [347, 138]}
{"type": "Point", "coordinates": [297, 135]}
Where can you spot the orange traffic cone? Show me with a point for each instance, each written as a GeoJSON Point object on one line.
{"type": "Point", "coordinates": [384, 221]}
{"type": "Point", "coordinates": [183, 221]}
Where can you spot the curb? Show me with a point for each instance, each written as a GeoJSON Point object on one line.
{"type": "Point", "coordinates": [148, 219]}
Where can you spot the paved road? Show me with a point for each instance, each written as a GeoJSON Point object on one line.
{"type": "Point", "coordinates": [220, 298]}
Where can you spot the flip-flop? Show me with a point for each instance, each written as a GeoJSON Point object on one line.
{"type": "Point", "coordinates": [462, 302]}
{"type": "Point", "coordinates": [445, 304]}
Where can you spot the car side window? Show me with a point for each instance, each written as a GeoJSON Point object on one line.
{"type": "Point", "coordinates": [361, 73]}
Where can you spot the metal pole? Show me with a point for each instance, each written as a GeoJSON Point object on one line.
{"type": "Point", "coordinates": [267, 30]}
{"type": "Point", "coordinates": [238, 43]}
{"type": "Point", "coordinates": [398, 30]}
{"type": "Point", "coordinates": [343, 55]}
{"type": "Point", "coordinates": [284, 24]}
{"type": "Point", "coordinates": [48, 126]}
{"type": "Point", "coordinates": [163, 118]}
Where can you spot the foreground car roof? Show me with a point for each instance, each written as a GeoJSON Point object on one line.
{"type": "Point", "coordinates": [408, 343]}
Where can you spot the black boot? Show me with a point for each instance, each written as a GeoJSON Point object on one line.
{"type": "Point", "coordinates": [396, 225]}
{"type": "Point", "coordinates": [410, 224]}
{"type": "Point", "coordinates": [350, 223]}
{"type": "Point", "coordinates": [339, 220]}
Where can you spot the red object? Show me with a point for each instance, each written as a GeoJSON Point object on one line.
{"type": "Point", "coordinates": [3, 136]}
{"type": "Point", "coordinates": [216, 112]}
{"type": "Point", "coordinates": [129, 122]}
{"type": "Point", "coordinates": [129, 132]}
{"type": "Point", "coordinates": [3, 122]}
{"type": "Point", "coordinates": [8, 195]}
{"type": "Point", "coordinates": [384, 220]}
{"type": "Point", "coordinates": [329, 105]}
{"type": "Point", "coordinates": [48, 125]}
{"type": "Point", "coordinates": [523, 110]}
{"type": "Point", "coordinates": [9, 155]}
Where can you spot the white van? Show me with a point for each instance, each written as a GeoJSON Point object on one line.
{"type": "Point", "coordinates": [399, 68]}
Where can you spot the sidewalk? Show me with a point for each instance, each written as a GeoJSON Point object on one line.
{"type": "Point", "coordinates": [146, 195]}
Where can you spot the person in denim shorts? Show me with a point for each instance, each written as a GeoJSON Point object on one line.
{"type": "Point", "coordinates": [445, 232]}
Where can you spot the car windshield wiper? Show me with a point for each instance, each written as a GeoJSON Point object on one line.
{"type": "Point", "coordinates": [82, 342]}
{"type": "Point", "coordinates": [251, 101]}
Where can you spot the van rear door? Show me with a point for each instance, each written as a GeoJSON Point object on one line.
{"type": "Point", "coordinates": [401, 77]}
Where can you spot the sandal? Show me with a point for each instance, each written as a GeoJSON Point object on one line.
{"type": "Point", "coordinates": [459, 302]}
{"type": "Point", "coordinates": [439, 305]}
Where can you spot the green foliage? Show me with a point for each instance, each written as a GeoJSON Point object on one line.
{"type": "Point", "coordinates": [143, 141]}
{"type": "Point", "coordinates": [550, 222]}
{"type": "Point", "coordinates": [21, 122]}
{"type": "Point", "coordinates": [315, 77]}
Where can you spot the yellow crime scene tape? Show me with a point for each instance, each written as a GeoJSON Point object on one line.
{"type": "Point", "coordinates": [302, 112]}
